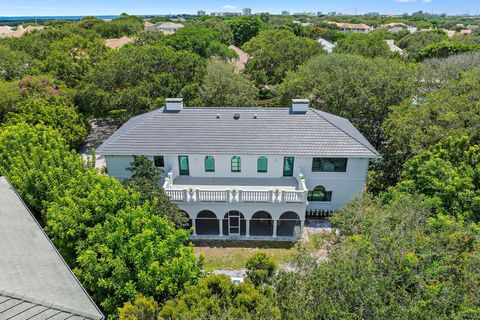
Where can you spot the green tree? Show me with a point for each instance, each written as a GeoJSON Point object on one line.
{"type": "Point", "coordinates": [448, 174]}
{"type": "Point", "coordinates": [142, 308]}
{"type": "Point", "coordinates": [216, 297]}
{"type": "Point", "coordinates": [368, 45]}
{"type": "Point", "coordinates": [58, 114]}
{"type": "Point", "coordinates": [260, 269]}
{"type": "Point", "coordinates": [37, 87]}
{"type": "Point", "coordinates": [145, 180]}
{"type": "Point", "coordinates": [203, 41]}
{"type": "Point", "coordinates": [135, 251]}
{"type": "Point", "coordinates": [361, 93]}
{"type": "Point", "coordinates": [125, 25]}
{"type": "Point", "coordinates": [224, 87]}
{"type": "Point", "coordinates": [13, 64]}
{"type": "Point", "coordinates": [244, 28]}
{"type": "Point", "coordinates": [444, 49]}
{"type": "Point", "coordinates": [275, 52]}
{"type": "Point", "coordinates": [391, 261]}
{"type": "Point", "coordinates": [415, 42]}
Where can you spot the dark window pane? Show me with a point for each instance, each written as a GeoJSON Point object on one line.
{"type": "Point", "coordinates": [319, 194]}
{"type": "Point", "coordinates": [236, 166]}
{"type": "Point", "coordinates": [158, 161]}
{"type": "Point", "coordinates": [183, 165]}
{"type": "Point", "coordinates": [329, 164]}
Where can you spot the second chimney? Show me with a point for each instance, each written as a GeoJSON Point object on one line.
{"type": "Point", "coordinates": [173, 104]}
{"type": "Point", "coordinates": [300, 105]}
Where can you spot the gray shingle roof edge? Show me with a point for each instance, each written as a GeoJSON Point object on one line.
{"type": "Point", "coordinates": [36, 301]}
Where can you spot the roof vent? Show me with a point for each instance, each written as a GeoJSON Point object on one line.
{"type": "Point", "coordinates": [255, 116]}
{"type": "Point", "coordinates": [173, 104]}
{"type": "Point", "coordinates": [300, 105]}
{"type": "Point", "coordinates": [236, 116]}
{"type": "Point", "coordinates": [218, 115]}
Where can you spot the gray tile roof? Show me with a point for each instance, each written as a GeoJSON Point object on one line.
{"type": "Point", "coordinates": [35, 281]}
{"type": "Point", "coordinates": [269, 131]}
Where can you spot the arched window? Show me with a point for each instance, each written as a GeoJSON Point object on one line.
{"type": "Point", "coordinates": [286, 224]}
{"type": "Point", "coordinates": [262, 164]}
{"type": "Point", "coordinates": [207, 223]}
{"type": "Point", "coordinates": [261, 224]}
{"type": "Point", "coordinates": [319, 193]}
{"type": "Point", "coordinates": [209, 164]}
{"type": "Point", "coordinates": [236, 164]}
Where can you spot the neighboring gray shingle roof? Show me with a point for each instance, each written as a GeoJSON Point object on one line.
{"type": "Point", "coordinates": [274, 131]}
{"type": "Point", "coordinates": [35, 281]}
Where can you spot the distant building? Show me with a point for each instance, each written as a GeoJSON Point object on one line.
{"type": "Point", "coordinates": [35, 281]}
{"type": "Point", "coordinates": [225, 14]}
{"type": "Point", "coordinates": [353, 27]}
{"type": "Point", "coordinates": [247, 12]}
{"type": "Point", "coordinates": [165, 27]}
{"type": "Point", "coordinates": [201, 13]}
{"type": "Point", "coordinates": [285, 13]}
{"type": "Point", "coordinates": [320, 14]}
{"type": "Point", "coordinates": [327, 45]}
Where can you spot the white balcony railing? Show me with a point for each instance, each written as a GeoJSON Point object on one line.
{"type": "Point", "coordinates": [228, 195]}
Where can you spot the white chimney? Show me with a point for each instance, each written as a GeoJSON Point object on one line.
{"type": "Point", "coordinates": [174, 104]}
{"type": "Point", "coordinates": [300, 105]}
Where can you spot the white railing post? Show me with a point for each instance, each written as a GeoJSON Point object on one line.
{"type": "Point", "coordinates": [184, 195]}
{"type": "Point", "coordinates": [240, 195]}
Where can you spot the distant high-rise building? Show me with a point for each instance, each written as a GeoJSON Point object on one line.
{"type": "Point", "coordinates": [320, 14]}
{"type": "Point", "coordinates": [247, 11]}
{"type": "Point", "coordinates": [201, 13]}
{"type": "Point", "coordinates": [285, 13]}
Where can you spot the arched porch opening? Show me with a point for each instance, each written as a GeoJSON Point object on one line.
{"type": "Point", "coordinates": [206, 223]}
{"type": "Point", "coordinates": [287, 223]}
{"type": "Point", "coordinates": [261, 224]}
{"type": "Point", "coordinates": [234, 224]}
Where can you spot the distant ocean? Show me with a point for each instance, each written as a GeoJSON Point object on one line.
{"type": "Point", "coordinates": [19, 20]}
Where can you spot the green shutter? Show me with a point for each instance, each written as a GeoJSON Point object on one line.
{"type": "Point", "coordinates": [236, 164]}
{"type": "Point", "coordinates": [209, 164]}
{"type": "Point", "coordinates": [183, 165]}
{"type": "Point", "coordinates": [262, 164]}
{"type": "Point", "coordinates": [288, 166]}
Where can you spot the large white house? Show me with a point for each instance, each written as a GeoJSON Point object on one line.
{"type": "Point", "coordinates": [246, 172]}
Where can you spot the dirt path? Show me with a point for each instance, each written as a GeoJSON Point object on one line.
{"type": "Point", "coordinates": [242, 58]}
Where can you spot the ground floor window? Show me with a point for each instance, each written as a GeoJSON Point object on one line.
{"type": "Point", "coordinates": [261, 224]}
{"type": "Point", "coordinates": [207, 223]}
{"type": "Point", "coordinates": [287, 223]}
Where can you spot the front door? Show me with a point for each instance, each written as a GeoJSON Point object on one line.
{"type": "Point", "coordinates": [234, 223]}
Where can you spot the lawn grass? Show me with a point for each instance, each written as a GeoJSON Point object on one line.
{"type": "Point", "coordinates": [232, 258]}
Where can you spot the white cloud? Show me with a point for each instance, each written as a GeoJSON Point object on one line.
{"type": "Point", "coordinates": [426, 1]}
{"type": "Point", "coordinates": [228, 7]}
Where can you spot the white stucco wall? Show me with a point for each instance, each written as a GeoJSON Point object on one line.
{"type": "Point", "coordinates": [344, 185]}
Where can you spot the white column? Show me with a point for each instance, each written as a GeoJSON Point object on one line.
{"type": "Point", "coordinates": [274, 228]}
{"type": "Point", "coordinates": [247, 224]}
{"type": "Point", "coordinates": [302, 223]}
{"type": "Point", "coordinates": [221, 227]}
{"type": "Point", "coordinates": [194, 228]}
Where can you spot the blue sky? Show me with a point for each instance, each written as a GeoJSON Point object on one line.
{"type": "Point", "coordinates": [106, 7]}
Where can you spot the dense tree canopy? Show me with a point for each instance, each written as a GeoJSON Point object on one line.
{"type": "Point", "coordinates": [362, 92]}
{"type": "Point", "coordinates": [244, 28]}
{"type": "Point", "coordinates": [445, 49]}
{"type": "Point", "coordinates": [368, 45]}
{"type": "Point", "coordinates": [13, 64]}
{"type": "Point", "coordinates": [224, 87]}
{"type": "Point", "coordinates": [275, 52]}
{"type": "Point", "coordinates": [415, 42]}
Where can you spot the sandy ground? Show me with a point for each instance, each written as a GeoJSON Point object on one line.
{"type": "Point", "coordinates": [118, 42]}
{"type": "Point", "coordinates": [242, 58]}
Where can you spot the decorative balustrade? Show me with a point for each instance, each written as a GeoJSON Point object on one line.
{"type": "Point", "coordinates": [255, 196]}
{"type": "Point", "coordinates": [293, 196]}
{"type": "Point", "coordinates": [212, 195]}
{"type": "Point", "coordinates": [235, 195]}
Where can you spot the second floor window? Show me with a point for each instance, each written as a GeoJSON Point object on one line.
{"type": "Point", "coordinates": [209, 164]}
{"type": "Point", "coordinates": [236, 164]}
{"type": "Point", "coordinates": [329, 165]}
{"type": "Point", "coordinates": [262, 164]}
{"type": "Point", "coordinates": [159, 161]}
{"type": "Point", "coordinates": [183, 165]}
{"type": "Point", "coordinates": [319, 193]}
